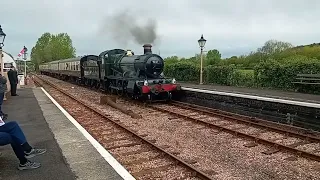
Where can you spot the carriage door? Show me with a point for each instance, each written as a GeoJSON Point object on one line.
{"type": "Point", "coordinates": [81, 67]}
{"type": "Point", "coordinates": [99, 62]}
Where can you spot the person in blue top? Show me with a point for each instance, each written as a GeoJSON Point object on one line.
{"type": "Point", "coordinates": [11, 133]}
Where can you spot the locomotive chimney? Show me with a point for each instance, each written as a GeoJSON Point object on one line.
{"type": "Point", "coordinates": [147, 49]}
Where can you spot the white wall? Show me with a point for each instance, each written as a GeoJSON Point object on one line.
{"type": "Point", "coordinates": [7, 59]}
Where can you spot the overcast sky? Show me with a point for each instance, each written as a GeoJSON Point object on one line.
{"type": "Point", "coordinates": [234, 27]}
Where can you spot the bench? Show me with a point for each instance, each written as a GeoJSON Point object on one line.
{"type": "Point", "coordinates": [307, 83]}
{"type": "Point", "coordinates": [307, 79]}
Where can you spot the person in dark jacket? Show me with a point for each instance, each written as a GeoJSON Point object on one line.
{"type": "Point", "coordinates": [13, 78]}
{"type": "Point", "coordinates": [3, 89]}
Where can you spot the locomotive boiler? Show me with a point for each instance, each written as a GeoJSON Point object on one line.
{"type": "Point", "coordinates": [137, 76]}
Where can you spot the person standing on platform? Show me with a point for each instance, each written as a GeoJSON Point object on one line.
{"type": "Point", "coordinates": [3, 88]}
{"type": "Point", "coordinates": [13, 78]}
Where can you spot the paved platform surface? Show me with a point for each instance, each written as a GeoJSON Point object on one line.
{"type": "Point", "coordinates": [258, 92]}
{"type": "Point", "coordinates": [69, 154]}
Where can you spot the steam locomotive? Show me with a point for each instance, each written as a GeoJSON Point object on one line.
{"type": "Point", "coordinates": [117, 71]}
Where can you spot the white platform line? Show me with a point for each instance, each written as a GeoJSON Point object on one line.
{"type": "Point", "coordinates": [104, 153]}
{"type": "Point", "coordinates": [284, 101]}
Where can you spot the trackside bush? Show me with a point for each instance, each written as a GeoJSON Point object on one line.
{"type": "Point", "coordinates": [219, 74]}
{"type": "Point", "coordinates": [281, 75]}
{"type": "Point", "coordinates": [244, 78]}
{"type": "Point", "coordinates": [271, 73]}
{"type": "Point", "coordinates": [222, 75]}
{"type": "Point", "coordinates": [183, 71]}
{"type": "Point", "coordinates": [274, 65]}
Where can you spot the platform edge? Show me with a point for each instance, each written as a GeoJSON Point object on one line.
{"type": "Point", "coordinates": [275, 100]}
{"type": "Point", "coordinates": [102, 151]}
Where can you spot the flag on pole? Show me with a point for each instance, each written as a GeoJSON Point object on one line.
{"type": "Point", "coordinates": [21, 52]}
{"type": "Point", "coordinates": [24, 49]}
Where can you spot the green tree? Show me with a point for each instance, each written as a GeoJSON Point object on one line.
{"type": "Point", "coordinates": [38, 52]}
{"type": "Point", "coordinates": [213, 57]}
{"type": "Point", "coordinates": [61, 47]}
{"type": "Point", "coordinates": [52, 47]}
{"type": "Point", "coordinates": [171, 60]}
{"type": "Point", "coordinates": [273, 46]}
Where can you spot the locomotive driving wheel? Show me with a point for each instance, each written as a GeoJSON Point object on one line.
{"type": "Point", "coordinates": [120, 88]}
{"type": "Point", "coordinates": [109, 88]}
{"type": "Point", "coordinates": [169, 98]}
{"type": "Point", "coordinates": [129, 95]}
{"type": "Point", "coordinates": [149, 98]}
{"type": "Point", "coordinates": [97, 86]}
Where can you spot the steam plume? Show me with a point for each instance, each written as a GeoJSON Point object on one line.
{"type": "Point", "coordinates": [124, 27]}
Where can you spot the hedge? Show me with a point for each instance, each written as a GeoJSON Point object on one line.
{"type": "Point", "coordinates": [219, 74]}
{"type": "Point", "coordinates": [244, 78]}
{"type": "Point", "coordinates": [281, 75]}
{"type": "Point", "coordinates": [271, 73]}
{"type": "Point", "coordinates": [223, 75]}
{"type": "Point", "coordinates": [183, 71]}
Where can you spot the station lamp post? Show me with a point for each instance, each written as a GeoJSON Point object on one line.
{"type": "Point", "coordinates": [25, 60]}
{"type": "Point", "coordinates": [2, 37]}
{"type": "Point", "coordinates": [201, 42]}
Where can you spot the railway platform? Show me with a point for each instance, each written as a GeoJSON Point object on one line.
{"type": "Point", "coordinates": [72, 153]}
{"type": "Point", "coordinates": [259, 94]}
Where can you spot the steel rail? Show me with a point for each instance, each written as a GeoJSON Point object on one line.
{"type": "Point", "coordinates": [197, 172]}
{"type": "Point", "coordinates": [241, 134]}
{"type": "Point", "coordinates": [244, 120]}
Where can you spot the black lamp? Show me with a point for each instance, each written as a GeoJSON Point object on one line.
{"type": "Point", "coordinates": [2, 37]}
{"type": "Point", "coordinates": [202, 41]}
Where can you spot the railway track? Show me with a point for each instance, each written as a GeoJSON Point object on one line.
{"type": "Point", "coordinates": [304, 137]}
{"type": "Point", "coordinates": [138, 153]}
{"type": "Point", "coordinates": [239, 126]}
{"type": "Point", "coordinates": [217, 153]}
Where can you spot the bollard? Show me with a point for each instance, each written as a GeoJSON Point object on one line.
{"type": "Point", "coordinates": [5, 74]}
{"type": "Point", "coordinates": [26, 80]}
